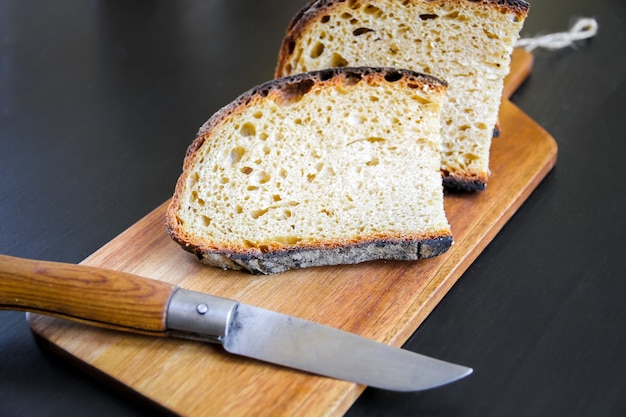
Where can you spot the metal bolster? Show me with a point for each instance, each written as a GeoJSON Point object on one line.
{"type": "Point", "coordinates": [199, 316]}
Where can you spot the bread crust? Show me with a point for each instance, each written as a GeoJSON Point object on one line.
{"type": "Point", "coordinates": [272, 258]}
{"type": "Point", "coordinates": [282, 88]}
{"type": "Point", "coordinates": [271, 261]}
{"type": "Point", "coordinates": [463, 181]}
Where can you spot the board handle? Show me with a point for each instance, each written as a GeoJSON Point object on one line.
{"type": "Point", "coordinates": [96, 296]}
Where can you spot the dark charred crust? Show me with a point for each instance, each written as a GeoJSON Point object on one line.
{"type": "Point", "coordinates": [457, 184]}
{"type": "Point", "coordinates": [277, 261]}
{"type": "Point", "coordinates": [434, 247]}
{"type": "Point", "coordinates": [520, 7]}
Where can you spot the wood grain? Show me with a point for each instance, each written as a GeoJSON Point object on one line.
{"type": "Point", "coordinates": [96, 296]}
{"type": "Point", "coordinates": [385, 301]}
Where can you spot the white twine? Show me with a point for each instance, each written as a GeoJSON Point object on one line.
{"type": "Point", "coordinates": [584, 28]}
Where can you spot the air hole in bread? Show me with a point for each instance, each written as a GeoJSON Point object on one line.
{"type": "Point", "coordinates": [246, 170]}
{"type": "Point", "coordinates": [354, 4]}
{"type": "Point", "coordinates": [378, 140]}
{"type": "Point", "coordinates": [258, 213]}
{"type": "Point", "coordinates": [338, 61]}
{"type": "Point", "coordinates": [317, 50]}
{"type": "Point", "coordinates": [325, 19]}
{"type": "Point", "coordinates": [361, 31]}
{"type": "Point", "coordinates": [236, 154]}
{"type": "Point", "coordinates": [490, 35]}
{"type": "Point", "coordinates": [248, 129]}
{"type": "Point", "coordinates": [428, 16]}
{"type": "Point", "coordinates": [373, 10]}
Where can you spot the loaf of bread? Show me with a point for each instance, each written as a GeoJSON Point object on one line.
{"type": "Point", "coordinates": [338, 166]}
{"type": "Point", "coordinates": [467, 43]}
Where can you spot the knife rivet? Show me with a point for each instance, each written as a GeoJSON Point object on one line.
{"type": "Point", "coordinates": [202, 308]}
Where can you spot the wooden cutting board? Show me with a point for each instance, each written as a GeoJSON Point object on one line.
{"type": "Point", "coordinates": [385, 301]}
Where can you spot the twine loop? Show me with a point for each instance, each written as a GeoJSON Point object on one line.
{"type": "Point", "coordinates": [583, 28]}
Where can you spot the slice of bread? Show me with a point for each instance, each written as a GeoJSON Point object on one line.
{"type": "Point", "coordinates": [468, 43]}
{"type": "Point", "coordinates": [331, 167]}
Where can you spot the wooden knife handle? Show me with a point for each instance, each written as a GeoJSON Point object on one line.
{"type": "Point", "coordinates": [96, 296]}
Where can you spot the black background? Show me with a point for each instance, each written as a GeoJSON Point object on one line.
{"type": "Point", "coordinates": [99, 100]}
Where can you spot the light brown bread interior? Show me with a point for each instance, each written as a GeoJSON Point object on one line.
{"type": "Point", "coordinates": [330, 167]}
{"type": "Point", "coordinates": [468, 43]}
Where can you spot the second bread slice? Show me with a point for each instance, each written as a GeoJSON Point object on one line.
{"type": "Point", "coordinates": [330, 167]}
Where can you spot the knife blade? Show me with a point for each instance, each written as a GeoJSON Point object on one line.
{"type": "Point", "coordinates": [122, 301]}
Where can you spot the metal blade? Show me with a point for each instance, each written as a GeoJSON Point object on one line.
{"type": "Point", "coordinates": [319, 349]}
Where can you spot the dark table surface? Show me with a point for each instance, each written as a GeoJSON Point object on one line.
{"type": "Point", "coordinates": [99, 100]}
